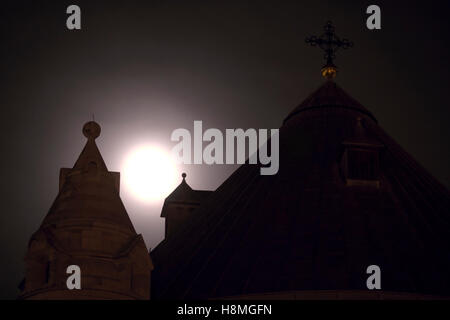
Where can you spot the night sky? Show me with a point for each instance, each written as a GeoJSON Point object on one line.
{"type": "Point", "coordinates": [145, 68]}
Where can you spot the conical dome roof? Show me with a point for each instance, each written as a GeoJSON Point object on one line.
{"type": "Point", "coordinates": [89, 192]}
{"type": "Point", "coordinates": [185, 194]}
{"type": "Point", "coordinates": [316, 225]}
{"type": "Point", "coordinates": [87, 227]}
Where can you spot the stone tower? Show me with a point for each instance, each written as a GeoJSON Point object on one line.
{"type": "Point", "coordinates": [87, 226]}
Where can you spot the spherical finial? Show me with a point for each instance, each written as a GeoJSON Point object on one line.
{"type": "Point", "coordinates": [329, 72]}
{"type": "Point", "coordinates": [184, 175]}
{"type": "Point", "coordinates": [91, 130]}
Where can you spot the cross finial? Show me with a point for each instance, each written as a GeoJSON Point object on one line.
{"type": "Point", "coordinates": [330, 43]}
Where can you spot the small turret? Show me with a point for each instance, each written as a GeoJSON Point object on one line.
{"type": "Point", "coordinates": [180, 205]}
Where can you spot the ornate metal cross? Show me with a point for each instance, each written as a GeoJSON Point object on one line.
{"type": "Point", "coordinates": [330, 43]}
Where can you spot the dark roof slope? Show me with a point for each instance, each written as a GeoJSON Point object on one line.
{"type": "Point", "coordinates": [304, 228]}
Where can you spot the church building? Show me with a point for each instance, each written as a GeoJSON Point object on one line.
{"type": "Point", "coordinates": [346, 197]}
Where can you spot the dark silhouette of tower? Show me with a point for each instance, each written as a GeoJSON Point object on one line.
{"type": "Point", "coordinates": [179, 206]}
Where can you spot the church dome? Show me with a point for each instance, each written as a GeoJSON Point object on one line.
{"type": "Point", "coordinates": [346, 197]}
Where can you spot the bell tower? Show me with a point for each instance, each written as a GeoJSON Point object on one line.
{"type": "Point", "coordinates": [87, 226]}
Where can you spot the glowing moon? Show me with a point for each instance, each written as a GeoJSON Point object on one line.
{"type": "Point", "coordinates": [150, 173]}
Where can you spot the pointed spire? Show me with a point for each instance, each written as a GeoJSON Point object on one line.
{"type": "Point", "coordinates": [184, 185]}
{"type": "Point", "coordinates": [90, 156]}
{"type": "Point", "coordinates": [183, 191]}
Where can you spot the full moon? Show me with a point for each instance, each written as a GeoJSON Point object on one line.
{"type": "Point", "coordinates": [150, 173]}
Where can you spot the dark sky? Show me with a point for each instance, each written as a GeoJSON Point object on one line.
{"type": "Point", "coordinates": [145, 68]}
